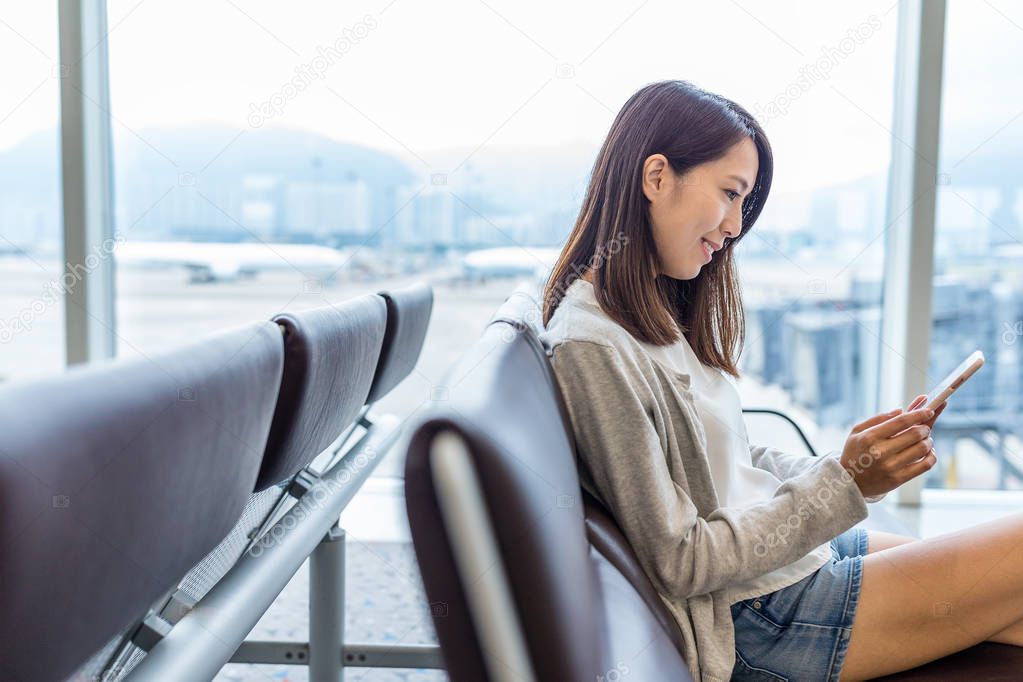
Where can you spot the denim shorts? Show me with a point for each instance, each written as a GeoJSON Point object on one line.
{"type": "Point", "coordinates": [801, 632]}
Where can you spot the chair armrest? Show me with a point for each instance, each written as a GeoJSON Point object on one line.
{"type": "Point", "coordinates": [786, 418]}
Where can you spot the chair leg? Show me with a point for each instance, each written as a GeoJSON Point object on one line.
{"type": "Point", "coordinates": [327, 608]}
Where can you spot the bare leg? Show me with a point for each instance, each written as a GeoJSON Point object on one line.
{"type": "Point", "coordinates": [880, 540]}
{"type": "Point", "coordinates": [924, 599]}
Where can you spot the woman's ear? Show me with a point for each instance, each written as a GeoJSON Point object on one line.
{"type": "Point", "coordinates": [655, 175]}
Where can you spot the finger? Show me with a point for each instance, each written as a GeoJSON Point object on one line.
{"type": "Point", "coordinates": [917, 402]}
{"type": "Point", "coordinates": [916, 468]}
{"type": "Point", "coordinates": [897, 424]}
{"type": "Point", "coordinates": [898, 449]}
{"type": "Point", "coordinates": [909, 447]}
{"type": "Point", "coordinates": [938, 411]}
{"type": "Point", "coordinates": [876, 419]}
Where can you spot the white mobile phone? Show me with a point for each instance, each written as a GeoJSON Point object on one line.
{"type": "Point", "coordinates": [954, 380]}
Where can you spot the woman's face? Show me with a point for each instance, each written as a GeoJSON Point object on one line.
{"type": "Point", "coordinates": [704, 205]}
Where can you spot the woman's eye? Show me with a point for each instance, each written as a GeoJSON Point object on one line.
{"type": "Point", "coordinates": [731, 194]}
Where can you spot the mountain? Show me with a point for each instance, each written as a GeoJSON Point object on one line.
{"type": "Point", "coordinates": [147, 161]}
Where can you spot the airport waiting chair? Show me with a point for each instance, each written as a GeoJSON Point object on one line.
{"type": "Point", "coordinates": [338, 359]}
{"type": "Point", "coordinates": [524, 581]}
{"type": "Point", "coordinates": [517, 590]}
{"type": "Point", "coordinates": [115, 479]}
{"type": "Point", "coordinates": [330, 354]}
{"type": "Point", "coordinates": [331, 359]}
{"type": "Point", "coordinates": [408, 316]}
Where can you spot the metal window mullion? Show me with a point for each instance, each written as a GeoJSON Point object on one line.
{"type": "Point", "coordinates": [87, 181]}
{"type": "Point", "coordinates": [910, 211]}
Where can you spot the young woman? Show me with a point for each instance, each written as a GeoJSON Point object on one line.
{"type": "Point", "coordinates": [754, 551]}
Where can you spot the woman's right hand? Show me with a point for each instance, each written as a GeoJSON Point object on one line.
{"type": "Point", "coordinates": [882, 452]}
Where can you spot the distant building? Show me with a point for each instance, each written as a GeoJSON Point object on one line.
{"type": "Point", "coordinates": [764, 351]}
{"type": "Point", "coordinates": [963, 322]}
{"type": "Point", "coordinates": [425, 217]}
{"type": "Point", "coordinates": [259, 209]}
{"type": "Point", "coordinates": [151, 209]}
{"type": "Point", "coordinates": [327, 210]}
{"type": "Point", "coordinates": [829, 359]}
{"type": "Point", "coordinates": [821, 349]}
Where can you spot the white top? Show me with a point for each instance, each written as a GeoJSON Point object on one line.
{"type": "Point", "coordinates": [738, 482]}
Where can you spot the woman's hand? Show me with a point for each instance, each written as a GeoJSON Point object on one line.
{"type": "Point", "coordinates": [889, 449]}
{"type": "Point", "coordinates": [919, 401]}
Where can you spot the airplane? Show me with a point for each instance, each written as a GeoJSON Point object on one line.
{"type": "Point", "coordinates": [508, 261]}
{"type": "Point", "coordinates": [225, 262]}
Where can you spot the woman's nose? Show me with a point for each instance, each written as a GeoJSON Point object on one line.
{"type": "Point", "coordinates": [731, 227]}
{"type": "Point", "coordinates": [732, 224]}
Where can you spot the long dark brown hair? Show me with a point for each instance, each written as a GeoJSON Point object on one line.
{"type": "Point", "coordinates": [612, 236]}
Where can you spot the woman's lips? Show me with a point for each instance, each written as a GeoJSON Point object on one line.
{"type": "Point", "coordinates": [708, 251]}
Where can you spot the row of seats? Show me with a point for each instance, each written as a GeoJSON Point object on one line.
{"type": "Point", "coordinates": [537, 579]}
{"type": "Point", "coordinates": [129, 487]}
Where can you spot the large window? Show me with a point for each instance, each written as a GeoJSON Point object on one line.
{"type": "Point", "coordinates": [812, 268]}
{"type": "Point", "coordinates": [279, 156]}
{"type": "Point", "coordinates": [31, 274]}
{"type": "Point", "coordinates": [273, 157]}
{"type": "Point", "coordinates": [978, 292]}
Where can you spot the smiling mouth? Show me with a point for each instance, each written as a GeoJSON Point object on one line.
{"type": "Point", "coordinates": [708, 249]}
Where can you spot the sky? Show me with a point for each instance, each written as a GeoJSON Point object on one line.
{"type": "Point", "coordinates": [418, 79]}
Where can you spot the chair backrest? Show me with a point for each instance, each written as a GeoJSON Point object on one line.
{"type": "Point", "coordinates": [522, 310]}
{"type": "Point", "coordinates": [573, 610]}
{"type": "Point", "coordinates": [115, 479]}
{"type": "Point", "coordinates": [331, 356]}
{"type": "Point", "coordinates": [408, 316]}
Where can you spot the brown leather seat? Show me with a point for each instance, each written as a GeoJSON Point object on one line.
{"type": "Point", "coordinates": [985, 662]}
{"type": "Point", "coordinates": [579, 605]}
